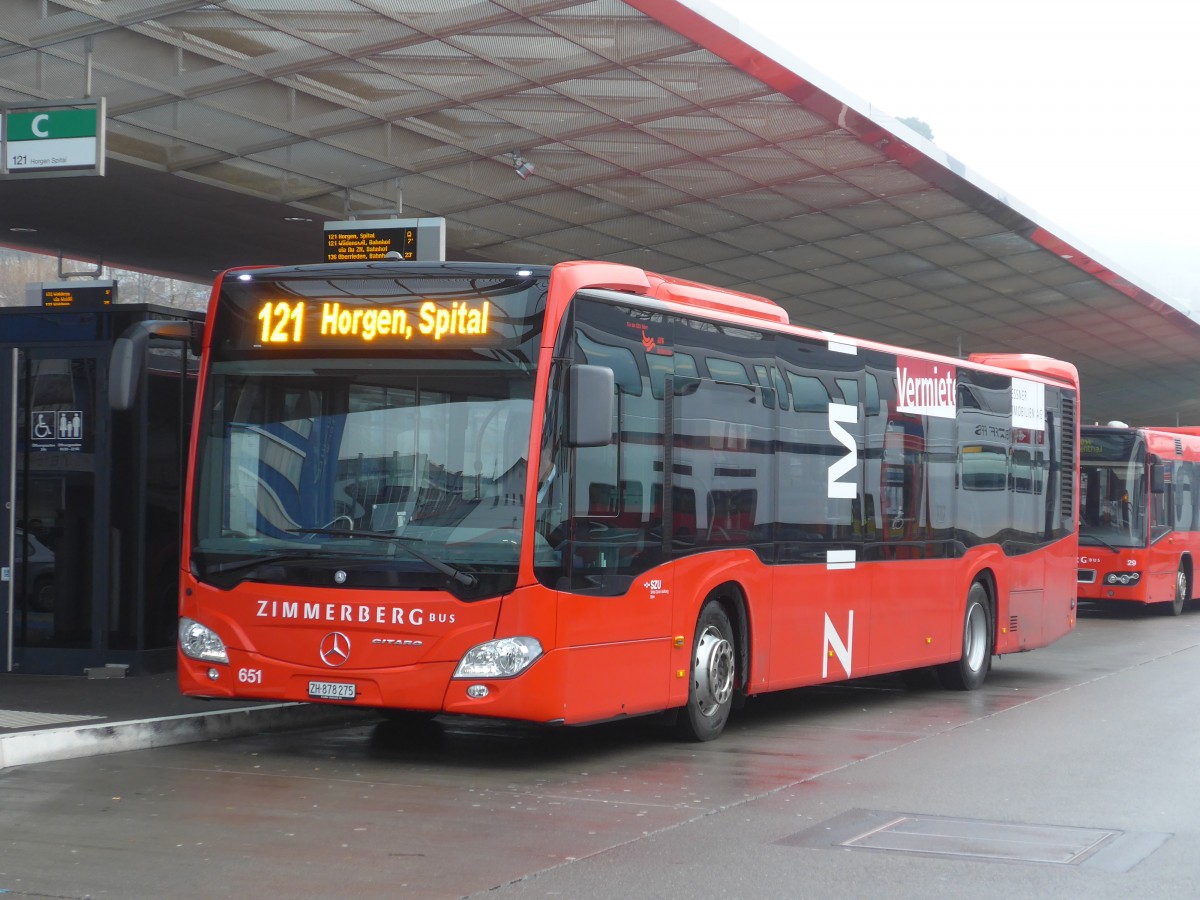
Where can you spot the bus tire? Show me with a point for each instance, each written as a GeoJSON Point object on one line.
{"type": "Point", "coordinates": [970, 670]}
{"type": "Point", "coordinates": [1182, 589]}
{"type": "Point", "coordinates": [713, 676]}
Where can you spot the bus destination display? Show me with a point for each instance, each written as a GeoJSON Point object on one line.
{"type": "Point", "coordinates": [288, 324]}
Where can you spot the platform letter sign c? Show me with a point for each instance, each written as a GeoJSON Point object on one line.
{"type": "Point", "coordinates": [38, 125]}
{"type": "Point", "coordinates": [840, 413]}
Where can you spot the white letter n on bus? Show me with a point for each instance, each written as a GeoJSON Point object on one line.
{"type": "Point", "coordinates": [833, 645]}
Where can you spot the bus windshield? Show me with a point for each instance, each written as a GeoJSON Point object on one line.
{"type": "Point", "coordinates": [338, 463]}
{"type": "Point", "coordinates": [398, 466]}
{"type": "Point", "coordinates": [1112, 496]}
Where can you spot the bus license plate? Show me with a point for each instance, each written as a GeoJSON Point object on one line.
{"type": "Point", "coordinates": [331, 690]}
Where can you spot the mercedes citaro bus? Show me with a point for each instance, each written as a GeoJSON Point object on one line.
{"type": "Point", "coordinates": [575, 493]}
{"type": "Point", "coordinates": [1139, 520]}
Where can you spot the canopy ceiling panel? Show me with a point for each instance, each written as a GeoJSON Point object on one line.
{"type": "Point", "coordinates": [661, 133]}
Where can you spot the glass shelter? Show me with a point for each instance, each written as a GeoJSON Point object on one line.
{"type": "Point", "coordinates": [89, 497]}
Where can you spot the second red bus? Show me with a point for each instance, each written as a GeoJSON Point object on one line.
{"type": "Point", "coordinates": [1139, 522]}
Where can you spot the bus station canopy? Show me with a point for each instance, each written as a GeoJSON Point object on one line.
{"type": "Point", "coordinates": [661, 133]}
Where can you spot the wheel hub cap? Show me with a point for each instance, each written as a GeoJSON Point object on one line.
{"type": "Point", "coordinates": [714, 672]}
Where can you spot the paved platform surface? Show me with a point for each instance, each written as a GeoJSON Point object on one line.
{"type": "Point", "coordinates": [45, 718]}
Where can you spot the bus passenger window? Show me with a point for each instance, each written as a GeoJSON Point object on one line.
{"type": "Point", "coordinates": [727, 370]}
{"type": "Point", "coordinates": [808, 394]}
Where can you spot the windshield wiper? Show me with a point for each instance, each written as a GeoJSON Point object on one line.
{"type": "Point", "coordinates": [240, 564]}
{"type": "Point", "coordinates": [466, 579]}
{"type": "Point", "coordinates": [1099, 540]}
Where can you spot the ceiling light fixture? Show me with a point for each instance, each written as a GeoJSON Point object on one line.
{"type": "Point", "coordinates": [520, 166]}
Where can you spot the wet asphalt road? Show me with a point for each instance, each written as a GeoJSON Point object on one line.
{"type": "Point", "coordinates": [1074, 772]}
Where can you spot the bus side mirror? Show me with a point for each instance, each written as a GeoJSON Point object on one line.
{"type": "Point", "coordinates": [128, 356]}
{"type": "Point", "coordinates": [125, 369]}
{"type": "Point", "coordinates": [1157, 482]}
{"type": "Point", "coordinates": [591, 398]}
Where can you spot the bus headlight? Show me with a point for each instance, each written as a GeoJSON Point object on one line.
{"type": "Point", "coordinates": [1123, 578]}
{"type": "Point", "coordinates": [200, 642]}
{"type": "Point", "coordinates": [501, 658]}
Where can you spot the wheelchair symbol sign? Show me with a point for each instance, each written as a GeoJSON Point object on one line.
{"type": "Point", "coordinates": [56, 429]}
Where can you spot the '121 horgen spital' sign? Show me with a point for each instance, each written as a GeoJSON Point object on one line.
{"type": "Point", "coordinates": [284, 323]}
{"type": "Point", "coordinates": [926, 388]}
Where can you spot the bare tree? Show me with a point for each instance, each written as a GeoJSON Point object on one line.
{"type": "Point", "coordinates": [18, 269]}
{"type": "Point", "coordinates": [138, 287]}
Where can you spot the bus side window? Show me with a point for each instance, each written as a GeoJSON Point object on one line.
{"type": "Point", "coordinates": [1184, 497]}
{"type": "Point", "coordinates": [597, 471]}
{"type": "Point", "coordinates": [1021, 472]}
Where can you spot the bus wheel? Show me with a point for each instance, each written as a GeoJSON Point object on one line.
{"type": "Point", "coordinates": [1175, 607]}
{"type": "Point", "coordinates": [969, 672]}
{"type": "Point", "coordinates": [713, 674]}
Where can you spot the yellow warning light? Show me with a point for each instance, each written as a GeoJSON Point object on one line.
{"type": "Point", "coordinates": [681, 673]}
{"type": "Point", "coordinates": [678, 641]}
{"type": "Point", "coordinates": [928, 640]}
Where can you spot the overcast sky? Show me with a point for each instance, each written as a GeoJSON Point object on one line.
{"type": "Point", "coordinates": [1085, 112]}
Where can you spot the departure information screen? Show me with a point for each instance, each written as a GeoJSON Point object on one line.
{"type": "Point", "coordinates": [370, 243]}
{"type": "Point", "coordinates": [80, 295]}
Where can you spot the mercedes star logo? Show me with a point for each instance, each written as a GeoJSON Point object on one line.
{"type": "Point", "coordinates": [335, 649]}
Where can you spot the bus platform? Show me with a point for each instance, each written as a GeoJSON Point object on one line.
{"type": "Point", "coordinates": [44, 718]}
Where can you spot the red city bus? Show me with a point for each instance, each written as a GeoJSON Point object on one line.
{"type": "Point", "coordinates": [575, 493]}
{"type": "Point", "coordinates": [1139, 520]}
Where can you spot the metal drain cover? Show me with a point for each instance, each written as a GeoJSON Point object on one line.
{"type": "Point", "coordinates": [980, 839]}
